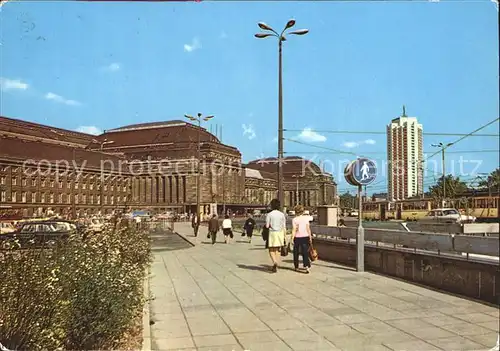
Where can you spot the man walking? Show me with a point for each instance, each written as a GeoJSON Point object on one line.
{"type": "Point", "coordinates": [213, 228]}
{"type": "Point", "coordinates": [195, 223]}
{"type": "Point", "coordinates": [248, 227]}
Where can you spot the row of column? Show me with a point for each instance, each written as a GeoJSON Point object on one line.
{"type": "Point", "coordinates": [299, 197]}
{"type": "Point", "coordinates": [159, 189]}
{"type": "Point", "coordinates": [226, 184]}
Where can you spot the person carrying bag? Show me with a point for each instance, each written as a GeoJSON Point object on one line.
{"type": "Point", "coordinates": [227, 229]}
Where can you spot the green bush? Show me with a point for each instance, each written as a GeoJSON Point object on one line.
{"type": "Point", "coordinates": [77, 295]}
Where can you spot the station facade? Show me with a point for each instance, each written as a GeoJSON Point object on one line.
{"type": "Point", "coordinates": [149, 166]}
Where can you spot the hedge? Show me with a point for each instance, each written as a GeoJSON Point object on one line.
{"type": "Point", "coordinates": [79, 294]}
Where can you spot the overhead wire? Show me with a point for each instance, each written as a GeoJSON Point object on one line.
{"type": "Point", "coordinates": [373, 186]}
{"type": "Point", "coordinates": [382, 152]}
{"type": "Point", "coordinates": [463, 137]}
{"type": "Point", "coordinates": [380, 133]}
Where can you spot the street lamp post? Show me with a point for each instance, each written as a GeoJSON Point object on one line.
{"type": "Point", "coordinates": [101, 147]}
{"type": "Point", "coordinates": [297, 188]}
{"type": "Point", "coordinates": [198, 119]}
{"type": "Point", "coordinates": [101, 195]}
{"type": "Point", "coordinates": [281, 38]}
{"type": "Point", "coordinates": [73, 193]}
{"type": "Point", "coordinates": [443, 147]}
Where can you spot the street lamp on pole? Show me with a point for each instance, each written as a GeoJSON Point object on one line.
{"type": "Point", "coordinates": [443, 147]}
{"type": "Point", "coordinates": [101, 191]}
{"type": "Point", "coordinates": [297, 187]}
{"type": "Point", "coordinates": [199, 117]}
{"type": "Point", "coordinates": [270, 32]}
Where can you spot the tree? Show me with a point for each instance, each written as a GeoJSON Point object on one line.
{"type": "Point", "coordinates": [347, 200]}
{"type": "Point", "coordinates": [491, 182]}
{"type": "Point", "coordinates": [454, 187]}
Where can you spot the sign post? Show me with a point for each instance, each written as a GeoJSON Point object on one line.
{"type": "Point", "coordinates": [361, 172]}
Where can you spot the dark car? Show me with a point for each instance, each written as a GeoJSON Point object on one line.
{"type": "Point", "coordinates": [41, 233]}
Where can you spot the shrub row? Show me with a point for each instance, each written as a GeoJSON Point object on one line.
{"type": "Point", "coordinates": [80, 294]}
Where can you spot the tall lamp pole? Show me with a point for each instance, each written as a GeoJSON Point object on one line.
{"type": "Point", "coordinates": [281, 38]}
{"type": "Point", "coordinates": [297, 188]}
{"type": "Point", "coordinates": [443, 147]}
{"type": "Point", "coordinates": [73, 193]}
{"type": "Point", "coordinates": [199, 117]}
{"type": "Point", "coordinates": [101, 190]}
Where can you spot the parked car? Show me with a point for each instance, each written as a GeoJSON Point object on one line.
{"type": "Point", "coordinates": [42, 233]}
{"type": "Point", "coordinates": [6, 228]}
{"type": "Point", "coordinates": [447, 215]}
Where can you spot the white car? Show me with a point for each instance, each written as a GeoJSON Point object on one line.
{"type": "Point", "coordinates": [6, 228]}
{"type": "Point", "coordinates": [447, 215]}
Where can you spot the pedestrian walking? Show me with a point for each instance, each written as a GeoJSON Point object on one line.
{"type": "Point", "coordinates": [248, 227]}
{"type": "Point", "coordinates": [227, 229]}
{"type": "Point", "coordinates": [276, 222]}
{"type": "Point", "coordinates": [301, 238]}
{"type": "Point", "coordinates": [213, 228]}
{"type": "Point", "coordinates": [195, 223]}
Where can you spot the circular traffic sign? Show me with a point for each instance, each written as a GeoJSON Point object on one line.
{"type": "Point", "coordinates": [362, 171]}
{"type": "Point", "coordinates": [348, 174]}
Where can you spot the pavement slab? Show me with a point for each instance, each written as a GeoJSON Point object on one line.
{"type": "Point", "coordinates": [224, 297]}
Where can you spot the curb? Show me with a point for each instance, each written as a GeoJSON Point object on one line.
{"type": "Point", "coordinates": [146, 326]}
{"type": "Point", "coordinates": [183, 236]}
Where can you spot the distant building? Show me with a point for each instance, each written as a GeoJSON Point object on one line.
{"type": "Point", "coordinates": [148, 166]}
{"type": "Point", "coordinates": [404, 157]}
{"type": "Point", "coordinates": [379, 197]}
{"type": "Point", "coordinates": [304, 182]}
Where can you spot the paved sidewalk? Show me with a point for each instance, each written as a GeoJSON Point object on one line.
{"type": "Point", "coordinates": [223, 297]}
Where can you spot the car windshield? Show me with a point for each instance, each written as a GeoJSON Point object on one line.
{"type": "Point", "coordinates": [60, 227]}
{"type": "Point", "coordinates": [450, 212]}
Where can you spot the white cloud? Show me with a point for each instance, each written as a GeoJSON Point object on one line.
{"type": "Point", "coordinates": [12, 84]}
{"type": "Point", "coordinates": [248, 131]}
{"type": "Point", "coordinates": [353, 144]}
{"type": "Point", "coordinates": [350, 144]}
{"type": "Point", "coordinates": [61, 100]}
{"type": "Point", "coordinates": [195, 45]}
{"type": "Point", "coordinates": [308, 134]}
{"type": "Point", "coordinates": [115, 66]}
{"type": "Point", "coordinates": [89, 130]}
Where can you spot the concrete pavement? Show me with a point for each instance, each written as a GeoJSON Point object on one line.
{"type": "Point", "coordinates": [223, 297]}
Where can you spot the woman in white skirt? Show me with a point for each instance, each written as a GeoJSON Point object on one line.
{"type": "Point", "coordinates": [276, 222]}
{"type": "Point", "coordinates": [227, 229]}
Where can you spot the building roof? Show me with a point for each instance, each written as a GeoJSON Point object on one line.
{"type": "Point", "coordinates": [292, 166]}
{"type": "Point", "coordinates": [19, 149]}
{"type": "Point", "coordinates": [253, 173]}
{"type": "Point", "coordinates": [158, 134]}
{"type": "Point", "coordinates": [148, 125]}
{"type": "Point", "coordinates": [13, 127]}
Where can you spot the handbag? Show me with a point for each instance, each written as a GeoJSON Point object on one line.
{"type": "Point", "coordinates": [285, 249]}
{"type": "Point", "coordinates": [313, 254]}
{"type": "Point", "coordinates": [265, 233]}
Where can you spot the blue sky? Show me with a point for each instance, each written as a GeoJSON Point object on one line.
{"type": "Point", "coordinates": [104, 65]}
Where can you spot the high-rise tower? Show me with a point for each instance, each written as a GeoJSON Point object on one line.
{"type": "Point", "coordinates": [404, 158]}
